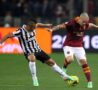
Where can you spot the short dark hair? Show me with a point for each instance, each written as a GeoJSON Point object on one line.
{"type": "Point", "coordinates": [31, 23]}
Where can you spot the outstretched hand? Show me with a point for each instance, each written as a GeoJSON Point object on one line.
{"type": "Point", "coordinates": [50, 30]}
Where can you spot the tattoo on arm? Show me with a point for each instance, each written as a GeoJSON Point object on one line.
{"type": "Point", "coordinates": [61, 26]}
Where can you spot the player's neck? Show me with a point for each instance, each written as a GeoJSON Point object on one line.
{"type": "Point", "coordinates": [25, 28]}
{"type": "Point", "coordinates": [80, 22]}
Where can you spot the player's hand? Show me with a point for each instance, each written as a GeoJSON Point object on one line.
{"type": "Point", "coordinates": [50, 27]}
{"type": "Point", "coordinates": [50, 30]}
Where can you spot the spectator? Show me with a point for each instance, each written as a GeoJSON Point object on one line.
{"type": "Point", "coordinates": [8, 19]}
{"type": "Point", "coordinates": [46, 10]}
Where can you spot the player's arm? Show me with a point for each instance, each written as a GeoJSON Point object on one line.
{"type": "Point", "coordinates": [16, 33]}
{"type": "Point", "coordinates": [60, 26]}
{"type": "Point", "coordinates": [6, 37]}
{"type": "Point", "coordinates": [91, 25]}
{"type": "Point", "coordinates": [43, 25]}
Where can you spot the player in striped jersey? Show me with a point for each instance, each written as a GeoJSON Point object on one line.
{"type": "Point", "coordinates": [32, 51]}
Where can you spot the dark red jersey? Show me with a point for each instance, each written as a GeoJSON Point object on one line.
{"type": "Point", "coordinates": [75, 33]}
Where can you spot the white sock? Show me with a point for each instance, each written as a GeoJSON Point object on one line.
{"type": "Point", "coordinates": [32, 67]}
{"type": "Point", "coordinates": [57, 69]}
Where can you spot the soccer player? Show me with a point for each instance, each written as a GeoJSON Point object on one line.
{"type": "Point", "coordinates": [73, 43]}
{"type": "Point", "coordinates": [32, 51]}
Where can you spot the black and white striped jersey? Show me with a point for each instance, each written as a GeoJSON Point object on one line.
{"type": "Point", "coordinates": [27, 40]}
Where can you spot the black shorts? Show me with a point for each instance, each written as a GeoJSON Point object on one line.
{"type": "Point", "coordinates": [41, 56]}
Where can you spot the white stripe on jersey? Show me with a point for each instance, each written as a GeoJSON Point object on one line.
{"type": "Point", "coordinates": [24, 36]}
{"type": "Point", "coordinates": [35, 41]}
{"type": "Point", "coordinates": [27, 40]}
{"type": "Point", "coordinates": [17, 33]}
{"type": "Point", "coordinates": [23, 46]}
{"type": "Point", "coordinates": [34, 33]}
{"type": "Point", "coordinates": [35, 45]}
{"type": "Point", "coordinates": [31, 46]}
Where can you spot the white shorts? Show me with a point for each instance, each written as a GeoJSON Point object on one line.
{"type": "Point", "coordinates": [78, 52]}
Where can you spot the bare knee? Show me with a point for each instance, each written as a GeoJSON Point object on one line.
{"type": "Point", "coordinates": [69, 59]}
{"type": "Point", "coordinates": [50, 62]}
{"type": "Point", "coordinates": [83, 61]}
{"type": "Point", "coordinates": [31, 58]}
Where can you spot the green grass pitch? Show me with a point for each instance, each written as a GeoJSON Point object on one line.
{"type": "Point", "coordinates": [15, 74]}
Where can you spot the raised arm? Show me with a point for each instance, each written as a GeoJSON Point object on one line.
{"type": "Point", "coordinates": [6, 37]}
{"type": "Point", "coordinates": [91, 25]}
{"type": "Point", "coordinates": [16, 33]}
{"type": "Point", "coordinates": [60, 26]}
{"type": "Point", "coordinates": [43, 25]}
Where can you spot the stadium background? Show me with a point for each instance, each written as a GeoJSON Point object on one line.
{"type": "Point", "coordinates": [14, 74]}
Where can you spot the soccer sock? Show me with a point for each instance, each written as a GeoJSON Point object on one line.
{"type": "Point", "coordinates": [87, 73]}
{"type": "Point", "coordinates": [57, 69]}
{"type": "Point", "coordinates": [32, 67]}
{"type": "Point", "coordinates": [65, 64]}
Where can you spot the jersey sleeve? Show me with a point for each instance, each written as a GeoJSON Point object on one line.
{"type": "Point", "coordinates": [69, 24]}
{"type": "Point", "coordinates": [17, 33]}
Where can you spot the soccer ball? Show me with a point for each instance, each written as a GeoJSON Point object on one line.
{"type": "Point", "coordinates": [72, 83]}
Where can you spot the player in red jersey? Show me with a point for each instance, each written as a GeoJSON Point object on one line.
{"type": "Point", "coordinates": [73, 43]}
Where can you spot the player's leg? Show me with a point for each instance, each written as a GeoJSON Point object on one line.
{"type": "Point", "coordinates": [32, 67]}
{"type": "Point", "coordinates": [57, 69]}
{"type": "Point", "coordinates": [68, 53]}
{"type": "Point", "coordinates": [81, 57]}
{"type": "Point", "coordinates": [43, 57]}
{"type": "Point", "coordinates": [86, 70]}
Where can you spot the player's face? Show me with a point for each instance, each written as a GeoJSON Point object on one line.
{"type": "Point", "coordinates": [82, 22]}
{"type": "Point", "coordinates": [30, 28]}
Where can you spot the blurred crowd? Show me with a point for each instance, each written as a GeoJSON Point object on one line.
{"type": "Point", "coordinates": [17, 12]}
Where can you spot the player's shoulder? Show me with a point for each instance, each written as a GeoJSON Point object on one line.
{"type": "Point", "coordinates": [77, 18]}
{"type": "Point", "coordinates": [20, 28]}
{"type": "Point", "coordinates": [70, 22]}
